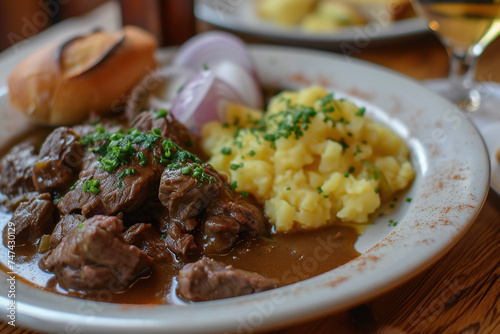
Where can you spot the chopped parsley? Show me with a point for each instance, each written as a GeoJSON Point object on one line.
{"type": "Point", "coordinates": [124, 174]}
{"type": "Point", "coordinates": [291, 121]}
{"type": "Point", "coordinates": [236, 166]}
{"type": "Point", "coordinates": [361, 112]}
{"type": "Point", "coordinates": [234, 185]}
{"type": "Point", "coordinates": [73, 186]}
{"type": "Point", "coordinates": [92, 186]}
{"type": "Point", "coordinates": [408, 199]}
{"type": "Point", "coordinates": [117, 148]}
{"type": "Point", "coordinates": [320, 190]}
{"type": "Point", "coordinates": [352, 169]}
{"type": "Point", "coordinates": [162, 113]}
{"type": "Point", "coordinates": [288, 188]}
{"type": "Point", "coordinates": [121, 148]}
{"type": "Point", "coordinates": [226, 151]}
{"type": "Point", "coordinates": [252, 153]}
{"type": "Point", "coordinates": [244, 193]}
{"type": "Point", "coordinates": [143, 160]}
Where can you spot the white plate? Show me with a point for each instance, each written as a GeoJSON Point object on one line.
{"type": "Point", "coordinates": [239, 16]}
{"type": "Point", "coordinates": [452, 180]}
{"type": "Point", "coordinates": [491, 135]}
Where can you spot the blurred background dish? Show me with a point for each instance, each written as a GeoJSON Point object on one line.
{"type": "Point", "coordinates": [324, 23]}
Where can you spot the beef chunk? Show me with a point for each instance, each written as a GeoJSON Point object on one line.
{"type": "Point", "coordinates": [116, 192]}
{"type": "Point", "coordinates": [33, 219]}
{"type": "Point", "coordinates": [147, 239]}
{"type": "Point", "coordinates": [60, 157]}
{"type": "Point", "coordinates": [112, 198]}
{"type": "Point", "coordinates": [184, 199]}
{"type": "Point", "coordinates": [96, 257]}
{"type": "Point", "coordinates": [170, 128]}
{"type": "Point", "coordinates": [16, 170]}
{"type": "Point", "coordinates": [185, 196]}
{"type": "Point", "coordinates": [229, 216]}
{"type": "Point", "coordinates": [66, 225]}
{"type": "Point", "coordinates": [178, 241]}
{"type": "Point", "coordinates": [207, 279]}
{"type": "Point", "coordinates": [83, 130]}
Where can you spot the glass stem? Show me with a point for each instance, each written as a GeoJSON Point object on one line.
{"type": "Point", "coordinates": [462, 76]}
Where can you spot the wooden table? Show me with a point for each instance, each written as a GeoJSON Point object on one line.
{"type": "Point", "coordinates": [460, 293]}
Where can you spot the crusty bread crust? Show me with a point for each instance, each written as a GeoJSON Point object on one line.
{"type": "Point", "coordinates": [63, 83]}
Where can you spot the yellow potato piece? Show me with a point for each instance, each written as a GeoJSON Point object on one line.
{"type": "Point", "coordinates": [310, 159]}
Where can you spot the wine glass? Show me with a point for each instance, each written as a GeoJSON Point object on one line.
{"type": "Point", "coordinates": [466, 28]}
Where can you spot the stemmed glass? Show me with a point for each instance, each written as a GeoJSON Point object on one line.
{"type": "Point", "coordinates": [466, 28]}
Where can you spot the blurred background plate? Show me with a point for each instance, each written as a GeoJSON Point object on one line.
{"type": "Point", "coordinates": [240, 16]}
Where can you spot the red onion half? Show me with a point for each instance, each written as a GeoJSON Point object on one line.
{"type": "Point", "coordinates": [211, 47]}
{"type": "Point", "coordinates": [203, 99]}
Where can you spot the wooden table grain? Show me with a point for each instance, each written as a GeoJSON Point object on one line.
{"type": "Point", "coordinates": [460, 292]}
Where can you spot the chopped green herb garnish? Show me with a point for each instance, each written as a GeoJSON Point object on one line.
{"type": "Point", "coordinates": [326, 196]}
{"type": "Point", "coordinates": [391, 206]}
{"type": "Point", "coordinates": [124, 174]}
{"type": "Point", "coordinates": [120, 148]}
{"type": "Point", "coordinates": [288, 188]}
{"type": "Point", "coordinates": [143, 160]}
{"type": "Point", "coordinates": [352, 169]}
{"type": "Point", "coordinates": [408, 199]}
{"type": "Point", "coordinates": [226, 151]}
{"type": "Point", "coordinates": [205, 66]}
{"type": "Point", "coordinates": [395, 199]}
{"type": "Point", "coordinates": [346, 174]}
{"type": "Point", "coordinates": [234, 185]}
{"type": "Point", "coordinates": [186, 170]}
{"type": "Point", "coordinates": [361, 112]}
{"type": "Point", "coordinates": [244, 193]}
{"type": "Point", "coordinates": [377, 191]}
{"type": "Point", "coordinates": [225, 125]}
{"type": "Point", "coordinates": [319, 190]}
{"type": "Point", "coordinates": [92, 186]}
{"type": "Point", "coordinates": [236, 166]}
{"type": "Point", "coordinates": [73, 186]}
{"type": "Point", "coordinates": [161, 113]}
{"type": "Point", "coordinates": [252, 153]}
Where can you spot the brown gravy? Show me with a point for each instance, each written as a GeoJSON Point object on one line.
{"type": "Point", "coordinates": [287, 258]}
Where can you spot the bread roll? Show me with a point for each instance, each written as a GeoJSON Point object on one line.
{"type": "Point", "coordinates": [62, 83]}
